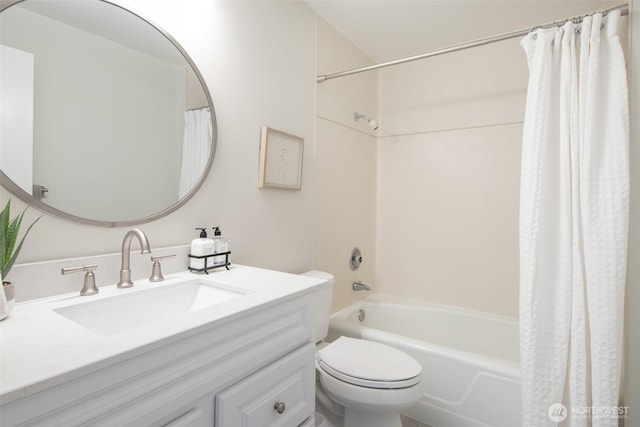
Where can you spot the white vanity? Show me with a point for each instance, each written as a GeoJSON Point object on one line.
{"type": "Point", "coordinates": [232, 348]}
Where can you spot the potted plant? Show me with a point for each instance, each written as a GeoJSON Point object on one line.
{"type": "Point", "coordinates": [9, 230]}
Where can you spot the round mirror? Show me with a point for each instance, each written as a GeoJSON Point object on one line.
{"type": "Point", "coordinates": [104, 118]}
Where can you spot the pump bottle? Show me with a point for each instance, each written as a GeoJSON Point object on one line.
{"type": "Point", "coordinates": [221, 245]}
{"type": "Point", "coordinates": [203, 246]}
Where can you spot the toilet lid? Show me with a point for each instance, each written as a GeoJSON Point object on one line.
{"type": "Point", "coordinates": [369, 364]}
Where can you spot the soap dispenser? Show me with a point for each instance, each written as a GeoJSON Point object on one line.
{"type": "Point", "coordinates": [222, 245]}
{"type": "Point", "coordinates": [201, 247]}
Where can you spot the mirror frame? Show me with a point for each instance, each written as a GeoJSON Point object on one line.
{"type": "Point", "coordinates": [13, 188]}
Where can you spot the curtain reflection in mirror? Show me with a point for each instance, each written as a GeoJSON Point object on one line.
{"type": "Point", "coordinates": [196, 148]}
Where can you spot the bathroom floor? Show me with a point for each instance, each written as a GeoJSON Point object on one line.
{"type": "Point", "coordinates": [410, 422]}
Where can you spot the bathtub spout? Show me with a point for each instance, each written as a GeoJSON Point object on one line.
{"type": "Point", "coordinates": [359, 286]}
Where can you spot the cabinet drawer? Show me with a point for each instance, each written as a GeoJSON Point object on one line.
{"type": "Point", "coordinates": [193, 418]}
{"type": "Point", "coordinates": [287, 384]}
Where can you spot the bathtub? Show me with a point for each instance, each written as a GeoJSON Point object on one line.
{"type": "Point", "coordinates": [470, 360]}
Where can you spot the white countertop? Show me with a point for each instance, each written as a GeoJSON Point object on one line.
{"type": "Point", "coordinates": [41, 348]}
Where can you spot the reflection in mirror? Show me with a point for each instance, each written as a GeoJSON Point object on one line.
{"type": "Point", "coordinates": [103, 117]}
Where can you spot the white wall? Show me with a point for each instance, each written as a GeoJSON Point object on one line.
{"type": "Point", "coordinates": [345, 166]}
{"type": "Point", "coordinates": [449, 170]}
{"type": "Point", "coordinates": [258, 59]}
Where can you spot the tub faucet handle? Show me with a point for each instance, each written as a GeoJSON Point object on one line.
{"type": "Point", "coordinates": [359, 286]}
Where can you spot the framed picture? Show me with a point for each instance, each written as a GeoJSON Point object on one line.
{"type": "Point", "coordinates": [280, 160]}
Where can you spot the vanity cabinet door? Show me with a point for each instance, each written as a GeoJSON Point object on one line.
{"type": "Point", "coordinates": [281, 394]}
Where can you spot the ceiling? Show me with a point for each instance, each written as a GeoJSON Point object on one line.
{"type": "Point", "coordinates": [384, 29]}
{"type": "Point", "coordinates": [391, 29]}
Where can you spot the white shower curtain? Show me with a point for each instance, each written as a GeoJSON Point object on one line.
{"type": "Point", "coordinates": [196, 146]}
{"type": "Point", "coordinates": [574, 201]}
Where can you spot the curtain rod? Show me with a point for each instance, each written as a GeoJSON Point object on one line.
{"type": "Point", "coordinates": [624, 9]}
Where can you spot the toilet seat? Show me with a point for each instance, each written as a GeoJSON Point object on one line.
{"type": "Point", "coordinates": [369, 364]}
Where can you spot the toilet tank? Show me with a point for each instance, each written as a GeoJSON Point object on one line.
{"type": "Point", "coordinates": [322, 302]}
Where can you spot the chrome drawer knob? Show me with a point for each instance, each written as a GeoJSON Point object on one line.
{"type": "Point", "coordinates": [279, 407]}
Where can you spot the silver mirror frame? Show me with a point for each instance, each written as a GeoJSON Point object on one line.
{"type": "Point", "coordinates": [13, 188]}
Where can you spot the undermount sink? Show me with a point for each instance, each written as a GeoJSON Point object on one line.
{"type": "Point", "coordinates": [121, 313]}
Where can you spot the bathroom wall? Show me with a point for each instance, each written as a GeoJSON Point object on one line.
{"type": "Point", "coordinates": [449, 166]}
{"type": "Point", "coordinates": [632, 357]}
{"type": "Point", "coordinates": [345, 166]}
{"type": "Point", "coordinates": [258, 59]}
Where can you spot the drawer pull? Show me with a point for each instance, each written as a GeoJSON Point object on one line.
{"type": "Point", "coordinates": [279, 407]}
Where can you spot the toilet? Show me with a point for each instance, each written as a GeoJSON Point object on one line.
{"type": "Point", "coordinates": [360, 383]}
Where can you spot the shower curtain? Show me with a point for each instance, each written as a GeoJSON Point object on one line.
{"type": "Point", "coordinates": [196, 146]}
{"type": "Point", "coordinates": [574, 202]}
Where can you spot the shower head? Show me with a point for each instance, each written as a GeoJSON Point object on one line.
{"type": "Point", "coordinates": [372, 123]}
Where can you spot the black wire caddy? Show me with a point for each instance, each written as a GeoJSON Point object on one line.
{"type": "Point", "coordinates": [209, 259]}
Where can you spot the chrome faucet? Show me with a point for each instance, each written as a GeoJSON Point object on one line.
{"type": "Point", "coordinates": [125, 271]}
{"type": "Point", "coordinates": [359, 286]}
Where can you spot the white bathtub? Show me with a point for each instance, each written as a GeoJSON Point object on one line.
{"type": "Point", "coordinates": [470, 360]}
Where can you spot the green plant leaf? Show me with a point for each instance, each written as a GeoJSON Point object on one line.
{"type": "Point", "coordinates": [9, 236]}
{"type": "Point", "coordinates": [4, 225]}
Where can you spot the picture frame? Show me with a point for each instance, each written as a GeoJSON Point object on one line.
{"type": "Point", "coordinates": [280, 160]}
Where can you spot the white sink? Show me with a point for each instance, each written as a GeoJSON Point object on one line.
{"type": "Point", "coordinates": [125, 312]}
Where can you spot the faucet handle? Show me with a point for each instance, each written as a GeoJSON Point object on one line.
{"type": "Point", "coordinates": [156, 271]}
{"type": "Point", "coordinates": [89, 285]}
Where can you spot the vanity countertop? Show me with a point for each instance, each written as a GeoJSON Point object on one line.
{"type": "Point", "coordinates": [41, 348]}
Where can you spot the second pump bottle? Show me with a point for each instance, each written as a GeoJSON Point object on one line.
{"type": "Point", "coordinates": [221, 245]}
